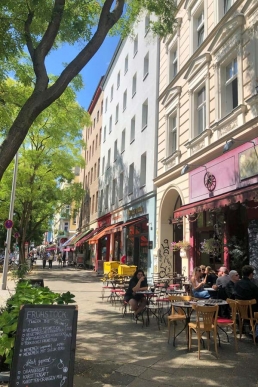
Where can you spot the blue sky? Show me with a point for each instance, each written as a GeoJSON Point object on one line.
{"type": "Point", "coordinates": [92, 71]}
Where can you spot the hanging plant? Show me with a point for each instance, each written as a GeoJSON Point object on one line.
{"type": "Point", "coordinates": [210, 246]}
{"type": "Point", "coordinates": [175, 246]}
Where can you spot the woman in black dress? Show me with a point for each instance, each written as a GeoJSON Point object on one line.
{"type": "Point", "coordinates": [136, 301]}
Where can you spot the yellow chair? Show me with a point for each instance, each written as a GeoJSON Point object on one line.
{"type": "Point", "coordinates": [225, 322]}
{"type": "Point", "coordinates": [206, 321]}
{"type": "Point", "coordinates": [245, 312]}
{"type": "Point", "coordinates": [177, 315]}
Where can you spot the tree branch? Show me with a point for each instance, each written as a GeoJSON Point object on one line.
{"type": "Point", "coordinates": [27, 34]}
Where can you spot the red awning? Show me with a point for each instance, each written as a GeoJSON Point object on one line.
{"type": "Point", "coordinates": [101, 234]}
{"type": "Point", "coordinates": [131, 222]}
{"type": "Point", "coordinates": [237, 196]}
{"type": "Point", "coordinates": [88, 236]}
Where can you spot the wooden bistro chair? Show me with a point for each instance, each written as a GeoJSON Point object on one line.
{"type": "Point", "coordinates": [206, 321]}
{"type": "Point", "coordinates": [245, 312]}
{"type": "Point", "coordinates": [177, 314]}
{"type": "Point", "coordinates": [229, 322]}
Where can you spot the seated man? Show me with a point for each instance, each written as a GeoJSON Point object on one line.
{"type": "Point", "coordinates": [137, 283]}
{"type": "Point", "coordinates": [245, 289]}
{"type": "Point", "coordinates": [230, 287]}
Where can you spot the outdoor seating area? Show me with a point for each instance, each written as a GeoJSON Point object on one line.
{"type": "Point", "coordinates": [168, 305]}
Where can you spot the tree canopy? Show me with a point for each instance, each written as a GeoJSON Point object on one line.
{"type": "Point", "coordinates": [37, 27]}
{"type": "Point", "coordinates": [47, 161]}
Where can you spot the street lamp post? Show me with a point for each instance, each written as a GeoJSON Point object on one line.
{"type": "Point", "coordinates": [9, 230]}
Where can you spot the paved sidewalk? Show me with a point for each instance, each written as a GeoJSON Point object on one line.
{"type": "Point", "coordinates": [114, 351]}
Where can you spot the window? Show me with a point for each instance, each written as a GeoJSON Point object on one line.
{"type": "Point", "coordinates": [124, 100]}
{"type": "Point", "coordinates": [100, 132]}
{"type": "Point", "coordinates": [110, 124]}
{"type": "Point", "coordinates": [231, 86]}
{"type": "Point", "coordinates": [114, 188]}
{"type": "Point", "coordinates": [101, 110]}
{"type": "Point", "coordinates": [98, 167]}
{"type": "Point", "coordinates": [118, 80]}
{"type": "Point", "coordinates": [147, 24]}
{"type": "Point", "coordinates": [96, 141]}
{"type": "Point", "coordinates": [123, 141]}
{"type": "Point", "coordinates": [94, 122]}
{"type": "Point", "coordinates": [101, 200]}
{"type": "Point", "coordinates": [93, 204]}
{"type": "Point", "coordinates": [109, 158]}
{"type": "Point", "coordinates": [126, 64]}
{"type": "Point", "coordinates": [103, 165]}
{"type": "Point", "coordinates": [87, 156]}
{"type": "Point", "coordinates": [106, 195]}
{"type": "Point", "coordinates": [145, 114]}
{"type": "Point", "coordinates": [135, 45]}
{"type": "Point", "coordinates": [112, 93]}
{"type": "Point", "coordinates": [98, 116]}
{"type": "Point", "coordinates": [106, 104]}
{"type": "Point", "coordinates": [90, 153]}
{"type": "Point", "coordinates": [172, 64]}
{"type": "Point", "coordinates": [66, 226]}
{"type": "Point", "coordinates": [117, 113]}
{"type": "Point", "coordinates": [172, 134]}
{"type": "Point", "coordinates": [93, 147]}
{"type": "Point", "coordinates": [89, 178]}
{"type": "Point", "coordinates": [104, 134]}
{"type": "Point", "coordinates": [91, 175]}
{"type": "Point", "coordinates": [130, 181]}
{"type": "Point", "coordinates": [95, 171]}
{"type": "Point", "coordinates": [121, 186]}
{"type": "Point", "coordinates": [115, 150]}
{"type": "Point", "coordinates": [143, 170]}
{"type": "Point", "coordinates": [227, 5]}
{"type": "Point", "coordinates": [201, 110]}
{"type": "Point", "coordinates": [146, 66]}
{"type": "Point", "coordinates": [132, 137]}
{"type": "Point", "coordinates": [200, 29]}
{"type": "Point", "coordinates": [134, 84]}
{"type": "Point", "coordinates": [97, 199]}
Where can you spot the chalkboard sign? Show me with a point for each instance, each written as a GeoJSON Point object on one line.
{"type": "Point", "coordinates": [45, 346]}
{"type": "Point", "coordinates": [253, 244]}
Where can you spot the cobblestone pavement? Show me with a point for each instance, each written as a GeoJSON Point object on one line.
{"type": "Point", "coordinates": [115, 351]}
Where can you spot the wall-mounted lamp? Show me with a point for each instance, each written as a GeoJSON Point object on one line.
{"type": "Point", "coordinates": [231, 142]}
{"type": "Point", "coordinates": [187, 166]}
{"type": "Point", "coordinates": [149, 225]}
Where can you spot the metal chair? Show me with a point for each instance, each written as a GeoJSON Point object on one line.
{"type": "Point", "coordinates": [206, 321]}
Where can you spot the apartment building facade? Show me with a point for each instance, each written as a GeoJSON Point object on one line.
{"type": "Point", "coordinates": [208, 98]}
{"type": "Point", "coordinates": [127, 196]}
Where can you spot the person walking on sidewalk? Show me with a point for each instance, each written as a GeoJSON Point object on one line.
{"type": "Point", "coordinates": [50, 260]}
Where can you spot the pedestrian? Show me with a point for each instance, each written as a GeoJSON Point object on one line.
{"type": "Point", "coordinates": [59, 259]}
{"type": "Point", "coordinates": [44, 259]}
{"type": "Point", "coordinates": [64, 258]}
{"type": "Point", "coordinates": [50, 260]}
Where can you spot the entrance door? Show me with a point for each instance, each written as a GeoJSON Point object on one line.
{"type": "Point", "coordinates": [177, 236]}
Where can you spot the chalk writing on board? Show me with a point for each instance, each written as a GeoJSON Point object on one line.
{"type": "Point", "coordinates": [43, 353]}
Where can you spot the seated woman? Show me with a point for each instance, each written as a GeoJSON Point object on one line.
{"type": "Point", "coordinates": [211, 276]}
{"type": "Point", "coordinates": [137, 283]}
{"type": "Point", "coordinates": [197, 285]}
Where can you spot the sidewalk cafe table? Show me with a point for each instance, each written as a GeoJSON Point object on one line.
{"type": "Point", "coordinates": [187, 308]}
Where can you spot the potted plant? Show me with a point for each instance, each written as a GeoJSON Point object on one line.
{"type": "Point", "coordinates": [210, 246]}
{"type": "Point", "coordinates": [176, 246]}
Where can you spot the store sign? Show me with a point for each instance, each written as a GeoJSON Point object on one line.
{"type": "Point", "coordinates": [248, 165]}
{"type": "Point", "coordinates": [135, 211]}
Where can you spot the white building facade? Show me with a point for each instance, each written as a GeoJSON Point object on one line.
{"type": "Point", "coordinates": [127, 196]}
